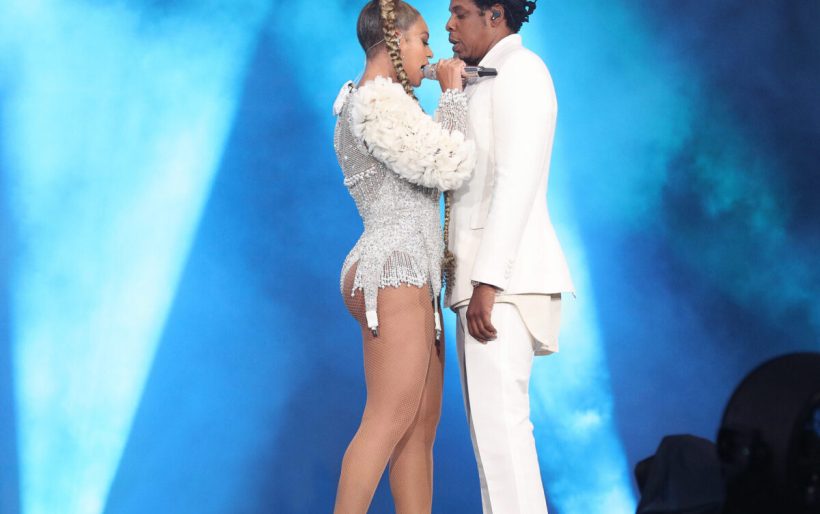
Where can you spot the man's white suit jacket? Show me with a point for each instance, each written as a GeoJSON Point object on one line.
{"type": "Point", "coordinates": [500, 227]}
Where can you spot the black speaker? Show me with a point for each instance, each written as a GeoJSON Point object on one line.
{"type": "Point", "coordinates": [769, 439]}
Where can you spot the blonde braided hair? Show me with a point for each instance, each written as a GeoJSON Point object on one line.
{"type": "Point", "coordinates": [387, 10]}
{"type": "Point", "coordinates": [448, 262]}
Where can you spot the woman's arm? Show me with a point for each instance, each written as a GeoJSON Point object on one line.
{"type": "Point", "coordinates": [452, 111]}
{"type": "Point", "coordinates": [399, 134]}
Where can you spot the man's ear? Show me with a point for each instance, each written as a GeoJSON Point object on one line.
{"type": "Point", "coordinates": [497, 14]}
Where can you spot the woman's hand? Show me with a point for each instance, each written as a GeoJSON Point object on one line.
{"type": "Point", "coordinates": [449, 73]}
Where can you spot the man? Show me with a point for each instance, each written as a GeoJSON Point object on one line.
{"type": "Point", "coordinates": [510, 270]}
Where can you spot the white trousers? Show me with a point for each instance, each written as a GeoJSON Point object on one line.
{"type": "Point", "coordinates": [495, 378]}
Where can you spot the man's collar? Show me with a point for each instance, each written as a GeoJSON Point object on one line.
{"type": "Point", "coordinates": [498, 49]}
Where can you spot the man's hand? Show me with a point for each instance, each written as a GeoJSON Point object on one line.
{"type": "Point", "coordinates": [479, 312]}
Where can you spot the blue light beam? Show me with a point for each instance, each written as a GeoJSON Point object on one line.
{"type": "Point", "coordinates": [117, 123]}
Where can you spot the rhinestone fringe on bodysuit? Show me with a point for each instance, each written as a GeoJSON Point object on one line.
{"type": "Point", "coordinates": [402, 240]}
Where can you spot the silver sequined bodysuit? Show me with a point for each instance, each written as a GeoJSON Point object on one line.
{"type": "Point", "coordinates": [402, 240]}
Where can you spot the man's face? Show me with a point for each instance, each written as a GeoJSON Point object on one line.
{"type": "Point", "coordinates": [470, 31]}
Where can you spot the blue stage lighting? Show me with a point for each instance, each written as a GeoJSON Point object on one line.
{"type": "Point", "coordinates": [117, 118]}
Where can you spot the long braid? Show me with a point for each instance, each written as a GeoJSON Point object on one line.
{"type": "Point", "coordinates": [388, 15]}
{"type": "Point", "coordinates": [448, 263]}
{"type": "Point", "coordinates": [387, 9]}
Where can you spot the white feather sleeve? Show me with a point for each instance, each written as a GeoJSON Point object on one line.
{"type": "Point", "coordinates": [399, 134]}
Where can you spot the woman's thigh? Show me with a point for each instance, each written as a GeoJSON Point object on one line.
{"type": "Point", "coordinates": [396, 362]}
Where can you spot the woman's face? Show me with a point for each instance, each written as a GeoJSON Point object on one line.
{"type": "Point", "coordinates": [415, 50]}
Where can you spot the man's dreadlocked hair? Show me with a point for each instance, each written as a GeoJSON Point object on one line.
{"type": "Point", "coordinates": [516, 12]}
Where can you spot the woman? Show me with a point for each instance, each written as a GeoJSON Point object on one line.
{"type": "Point", "coordinates": [396, 161]}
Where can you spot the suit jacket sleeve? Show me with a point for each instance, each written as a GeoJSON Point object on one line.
{"type": "Point", "coordinates": [524, 112]}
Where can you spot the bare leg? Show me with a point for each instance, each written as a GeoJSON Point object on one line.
{"type": "Point", "coordinates": [411, 464]}
{"type": "Point", "coordinates": [396, 367]}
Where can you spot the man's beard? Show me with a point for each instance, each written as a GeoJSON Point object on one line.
{"type": "Point", "coordinates": [469, 60]}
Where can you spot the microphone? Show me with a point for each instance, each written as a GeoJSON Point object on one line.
{"type": "Point", "coordinates": [429, 71]}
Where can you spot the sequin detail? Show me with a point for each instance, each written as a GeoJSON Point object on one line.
{"type": "Point", "coordinates": [452, 110]}
{"type": "Point", "coordinates": [402, 239]}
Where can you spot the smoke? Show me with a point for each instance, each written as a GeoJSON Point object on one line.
{"type": "Point", "coordinates": [683, 154]}
{"type": "Point", "coordinates": [740, 204]}
{"type": "Point", "coordinates": [114, 128]}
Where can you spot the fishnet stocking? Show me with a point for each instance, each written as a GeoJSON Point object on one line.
{"type": "Point", "coordinates": [403, 375]}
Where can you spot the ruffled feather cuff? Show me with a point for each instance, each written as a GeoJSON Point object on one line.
{"type": "Point", "coordinates": [398, 133]}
